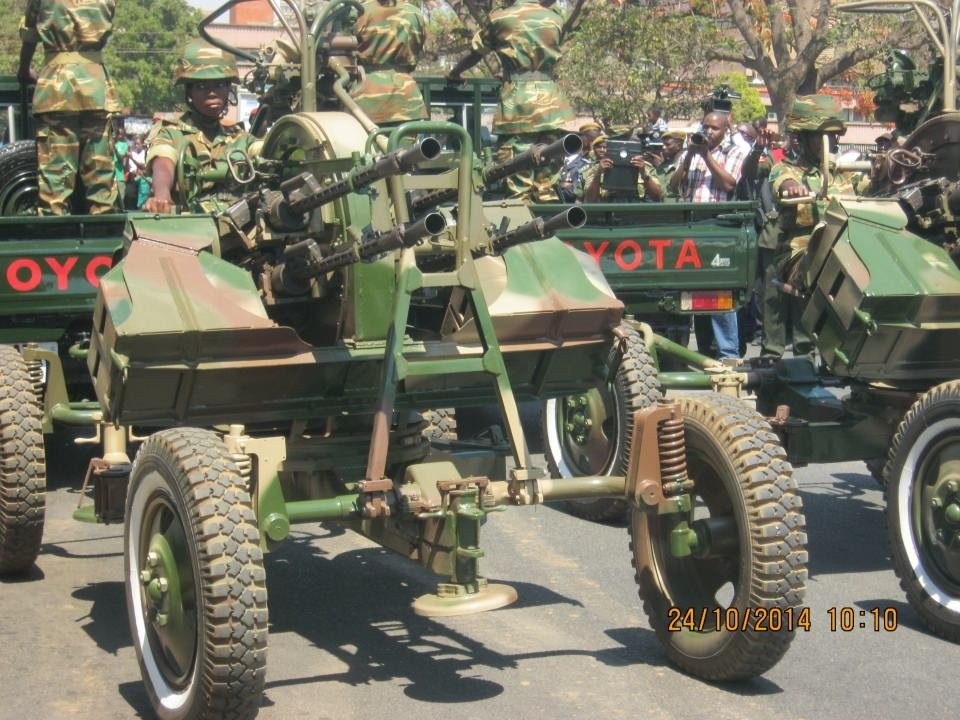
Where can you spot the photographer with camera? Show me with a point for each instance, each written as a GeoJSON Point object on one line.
{"type": "Point", "coordinates": [709, 172]}
{"type": "Point", "coordinates": [596, 185]}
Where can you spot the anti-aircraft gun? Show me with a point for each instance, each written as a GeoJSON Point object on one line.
{"type": "Point", "coordinates": [279, 355]}
{"type": "Point", "coordinates": [879, 287]}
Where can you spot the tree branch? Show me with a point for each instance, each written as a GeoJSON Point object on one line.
{"type": "Point", "coordinates": [741, 19]}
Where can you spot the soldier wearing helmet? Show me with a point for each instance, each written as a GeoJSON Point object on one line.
{"type": "Point", "coordinates": [207, 75]}
{"type": "Point", "coordinates": [811, 118]}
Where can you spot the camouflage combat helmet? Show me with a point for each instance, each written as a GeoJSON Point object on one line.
{"type": "Point", "coordinates": [816, 113]}
{"type": "Point", "coordinates": [202, 61]}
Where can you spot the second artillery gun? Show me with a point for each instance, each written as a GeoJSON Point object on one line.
{"type": "Point", "coordinates": [281, 357]}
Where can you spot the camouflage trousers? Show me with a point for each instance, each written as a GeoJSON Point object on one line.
{"type": "Point", "coordinates": [72, 145]}
{"type": "Point", "coordinates": [781, 311]}
{"type": "Point", "coordinates": [535, 185]}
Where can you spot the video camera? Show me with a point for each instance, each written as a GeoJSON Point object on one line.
{"type": "Point", "coordinates": [720, 100]}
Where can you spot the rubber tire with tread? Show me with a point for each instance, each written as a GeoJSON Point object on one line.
{"type": "Point", "coordinates": [18, 178]}
{"type": "Point", "coordinates": [931, 425]}
{"type": "Point", "coordinates": [739, 469]}
{"type": "Point", "coordinates": [635, 386]}
{"type": "Point", "coordinates": [184, 480]}
{"type": "Point", "coordinates": [441, 424]}
{"type": "Point", "coordinates": [23, 482]}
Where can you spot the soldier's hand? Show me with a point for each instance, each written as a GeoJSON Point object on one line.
{"type": "Point", "coordinates": [27, 77]}
{"type": "Point", "coordinates": [454, 79]}
{"type": "Point", "coordinates": [605, 164]}
{"type": "Point", "coordinates": [793, 189]}
{"type": "Point", "coordinates": [161, 205]}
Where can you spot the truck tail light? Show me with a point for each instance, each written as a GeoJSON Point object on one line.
{"type": "Point", "coordinates": [706, 300]}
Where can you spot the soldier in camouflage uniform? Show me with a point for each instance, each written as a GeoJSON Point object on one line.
{"type": "Point", "coordinates": [647, 187]}
{"type": "Point", "coordinates": [673, 141]}
{"type": "Point", "coordinates": [72, 102]}
{"type": "Point", "coordinates": [391, 35]}
{"type": "Point", "coordinates": [207, 74]}
{"type": "Point", "coordinates": [526, 36]}
{"type": "Point", "coordinates": [811, 117]}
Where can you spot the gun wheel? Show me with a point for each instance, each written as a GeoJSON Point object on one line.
{"type": "Point", "coordinates": [18, 170]}
{"type": "Point", "coordinates": [441, 424]}
{"type": "Point", "coordinates": [590, 433]}
{"type": "Point", "coordinates": [196, 586]}
{"type": "Point", "coordinates": [728, 610]}
{"type": "Point", "coordinates": [23, 481]}
{"type": "Point", "coordinates": [923, 507]}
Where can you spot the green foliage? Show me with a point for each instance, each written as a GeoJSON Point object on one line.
{"type": "Point", "coordinates": [750, 105]}
{"type": "Point", "coordinates": [140, 54]}
{"type": "Point", "coordinates": [622, 60]}
{"type": "Point", "coordinates": [147, 36]}
{"type": "Point", "coordinates": [12, 10]}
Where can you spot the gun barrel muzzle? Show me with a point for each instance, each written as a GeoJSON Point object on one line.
{"type": "Point", "coordinates": [538, 229]}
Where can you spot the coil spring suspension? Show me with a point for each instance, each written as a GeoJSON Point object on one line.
{"type": "Point", "coordinates": [244, 465]}
{"type": "Point", "coordinates": [673, 458]}
{"type": "Point", "coordinates": [35, 373]}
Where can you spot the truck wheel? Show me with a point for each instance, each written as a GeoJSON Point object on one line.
{"type": "Point", "coordinates": [196, 586]}
{"type": "Point", "coordinates": [23, 481]}
{"type": "Point", "coordinates": [18, 178]}
{"type": "Point", "coordinates": [441, 424]}
{"type": "Point", "coordinates": [728, 610]}
{"type": "Point", "coordinates": [590, 433]}
{"type": "Point", "coordinates": [923, 507]}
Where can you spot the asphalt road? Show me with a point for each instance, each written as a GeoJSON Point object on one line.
{"type": "Point", "coordinates": [344, 644]}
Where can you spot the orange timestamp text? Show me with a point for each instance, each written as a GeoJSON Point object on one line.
{"type": "Point", "coordinates": [734, 619]}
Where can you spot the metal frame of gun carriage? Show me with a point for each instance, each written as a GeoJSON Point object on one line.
{"type": "Point", "coordinates": [275, 360]}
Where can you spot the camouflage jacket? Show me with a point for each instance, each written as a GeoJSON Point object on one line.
{"type": "Point", "coordinates": [72, 32]}
{"type": "Point", "coordinates": [526, 38]}
{"type": "Point", "coordinates": [168, 138]}
{"type": "Point", "coordinates": [391, 40]}
{"type": "Point", "coordinates": [796, 222]}
{"type": "Point", "coordinates": [607, 195]}
{"type": "Point", "coordinates": [663, 173]}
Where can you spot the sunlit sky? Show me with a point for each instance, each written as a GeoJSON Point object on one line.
{"type": "Point", "coordinates": [206, 4]}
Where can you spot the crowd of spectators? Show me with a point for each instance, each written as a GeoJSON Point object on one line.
{"type": "Point", "coordinates": [130, 169]}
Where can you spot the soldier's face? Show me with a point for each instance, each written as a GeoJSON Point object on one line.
{"type": "Point", "coordinates": [209, 97]}
{"type": "Point", "coordinates": [670, 147]}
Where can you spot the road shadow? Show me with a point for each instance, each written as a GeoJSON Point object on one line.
{"type": "Point", "coordinates": [846, 528]}
{"type": "Point", "coordinates": [564, 507]}
{"type": "Point", "coordinates": [356, 607]}
{"type": "Point", "coordinates": [905, 616]}
{"type": "Point", "coordinates": [106, 622]}
{"type": "Point", "coordinates": [31, 574]}
{"type": "Point", "coordinates": [62, 549]}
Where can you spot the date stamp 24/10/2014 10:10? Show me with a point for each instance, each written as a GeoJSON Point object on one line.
{"type": "Point", "coordinates": [774, 619]}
